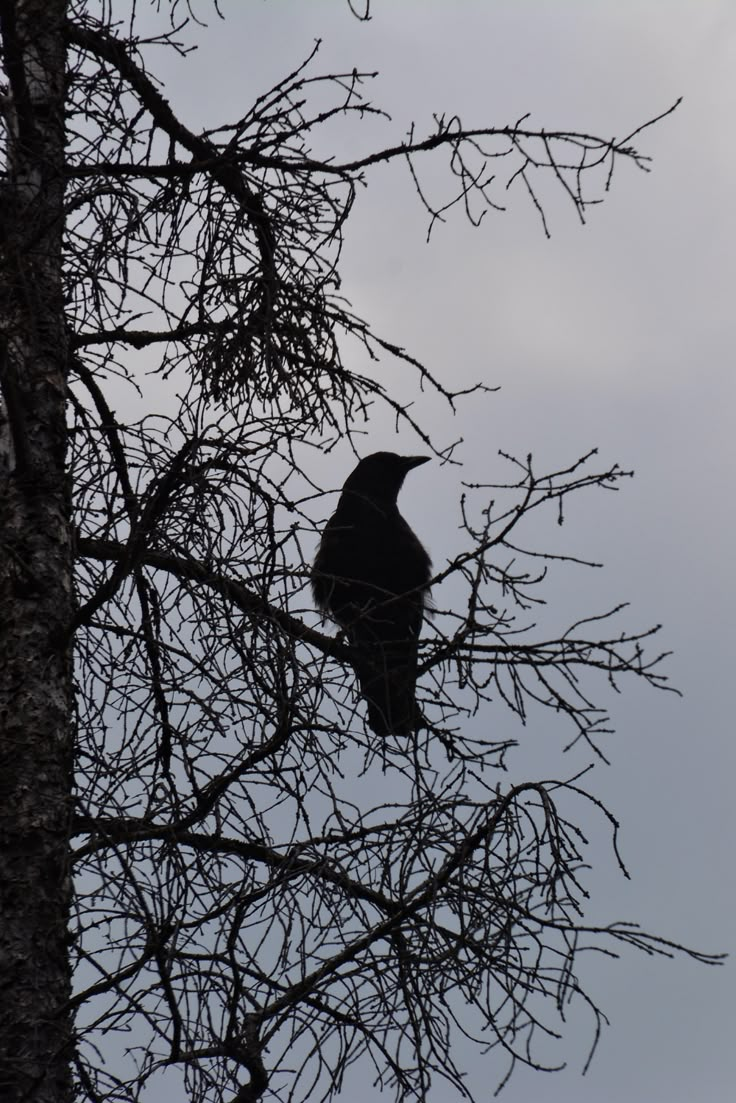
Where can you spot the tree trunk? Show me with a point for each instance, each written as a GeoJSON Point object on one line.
{"type": "Point", "coordinates": [35, 566]}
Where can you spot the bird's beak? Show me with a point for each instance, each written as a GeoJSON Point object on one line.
{"type": "Point", "coordinates": [415, 461]}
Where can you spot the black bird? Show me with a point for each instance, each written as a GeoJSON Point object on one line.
{"type": "Point", "coordinates": [371, 575]}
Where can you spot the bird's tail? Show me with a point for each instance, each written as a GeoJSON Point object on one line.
{"type": "Point", "coordinates": [387, 674]}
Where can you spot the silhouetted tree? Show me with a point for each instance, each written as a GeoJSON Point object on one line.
{"type": "Point", "coordinates": [247, 916]}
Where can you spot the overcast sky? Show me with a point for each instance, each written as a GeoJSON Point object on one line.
{"type": "Point", "coordinates": [618, 334]}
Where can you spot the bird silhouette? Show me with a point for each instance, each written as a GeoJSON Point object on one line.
{"type": "Point", "coordinates": [371, 575]}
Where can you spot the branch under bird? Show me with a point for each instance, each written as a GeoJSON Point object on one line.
{"type": "Point", "coordinates": [371, 575]}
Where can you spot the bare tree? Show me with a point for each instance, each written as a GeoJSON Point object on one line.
{"type": "Point", "coordinates": [36, 598]}
{"type": "Point", "coordinates": [248, 919]}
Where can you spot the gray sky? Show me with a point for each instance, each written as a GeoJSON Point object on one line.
{"type": "Point", "coordinates": [618, 334]}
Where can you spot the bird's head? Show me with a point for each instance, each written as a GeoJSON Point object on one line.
{"type": "Point", "coordinates": [379, 476]}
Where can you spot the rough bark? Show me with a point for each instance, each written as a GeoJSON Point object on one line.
{"type": "Point", "coordinates": [35, 565]}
